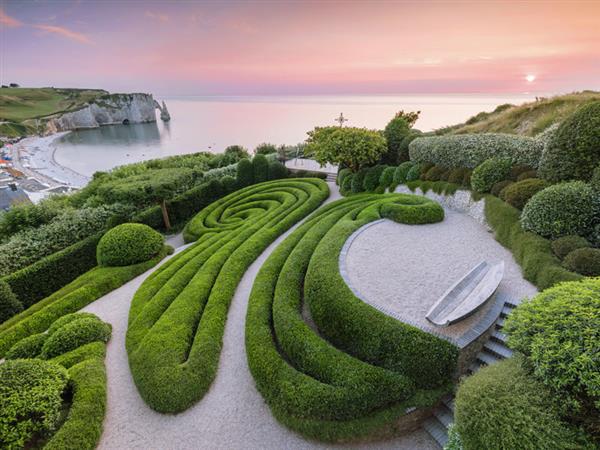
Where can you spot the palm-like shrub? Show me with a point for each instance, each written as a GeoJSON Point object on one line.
{"type": "Point", "coordinates": [129, 243]}
{"type": "Point", "coordinates": [489, 173]}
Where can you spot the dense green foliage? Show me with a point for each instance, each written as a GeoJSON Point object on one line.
{"type": "Point", "coordinates": [501, 407]}
{"type": "Point", "coordinates": [562, 209]}
{"type": "Point", "coordinates": [402, 172]}
{"type": "Point", "coordinates": [277, 171]}
{"type": "Point", "coordinates": [358, 181]}
{"type": "Point", "coordinates": [265, 149]}
{"type": "Point", "coordinates": [342, 174]}
{"type": "Point", "coordinates": [346, 186]}
{"type": "Point", "coordinates": [434, 173]}
{"type": "Point", "coordinates": [395, 132]}
{"type": "Point", "coordinates": [372, 176]}
{"type": "Point", "coordinates": [9, 304]}
{"type": "Point", "coordinates": [360, 371]}
{"type": "Point", "coordinates": [470, 150]}
{"type": "Point", "coordinates": [75, 334]}
{"type": "Point", "coordinates": [127, 244]}
{"type": "Point", "coordinates": [500, 187]}
{"type": "Point", "coordinates": [27, 348]}
{"type": "Point", "coordinates": [558, 331]}
{"type": "Point", "coordinates": [71, 298]}
{"type": "Point", "coordinates": [528, 174]}
{"type": "Point", "coordinates": [351, 147]}
{"type": "Point", "coordinates": [245, 173]}
{"type": "Point", "coordinates": [574, 150]}
{"type": "Point", "coordinates": [260, 169]}
{"type": "Point", "coordinates": [23, 216]}
{"type": "Point", "coordinates": [460, 177]}
{"type": "Point", "coordinates": [386, 180]}
{"type": "Point", "coordinates": [519, 193]}
{"type": "Point", "coordinates": [414, 172]}
{"type": "Point", "coordinates": [566, 244]}
{"type": "Point", "coordinates": [178, 315]}
{"type": "Point", "coordinates": [30, 400]}
{"type": "Point", "coordinates": [490, 172]}
{"type": "Point", "coordinates": [585, 261]}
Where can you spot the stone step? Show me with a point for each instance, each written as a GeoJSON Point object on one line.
{"type": "Point", "coordinates": [437, 431]}
{"type": "Point", "coordinates": [474, 367]}
{"type": "Point", "coordinates": [444, 415]}
{"type": "Point", "coordinates": [510, 302]}
{"type": "Point", "coordinates": [499, 350]}
{"type": "Point", "coordinates": [449, 402]}
{"type": "Point", "coordinates": [506, 310]}
{"type": "Point", "coordinates": [498, 336]}
{"type": "Point", "coordinates": [486, 358]}
{"type": "Point", "coordinates": [331, 177]}
{"type": "Point", "coordinates": [500, 323]}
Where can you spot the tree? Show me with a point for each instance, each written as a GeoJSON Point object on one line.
{"type": "Point", "coordinates": [395, 132]}
{"type": "Point", "coordinates": [350, 147]}
{"type": "Point", "coordinates": [265, 149]}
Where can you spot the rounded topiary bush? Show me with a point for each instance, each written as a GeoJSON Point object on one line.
{"type": "Point", "coordinates": [467, 178]}
{"type": "Point", "coordinates": [434, 173]}
{"type": "Point", "coordinates": [527, 175]}
{"type": "Point", "coordinates": [260, 168]}
{"type": "Point", "coordinates": [68, 318]}
{"type": "Point", "coordinates": [74, 335]}
{"type": "Point", "coordinates": [402, 172]}
{"type": "Point", "coordinates": [490, 172]}
{"type": "Point", "coordinates": [519, 193]}
{"type": "Point", "coordinates": [229, 184]}
{"type": "Point", "coordinates": [129, 243]}
{"type": "Point", "coordinates": [574, 150]}
{"type": "Point", "coordinates": [277, 171]}
{"type": "Point", "coordinates": [518, 170]}
{"type": "Point", "coordinates": [566, 244]}
{"type": "Point", "coordinates": [30, 400]}
{"type": "Point", "coordinates": [562, 209]}
{"type": "Point", "coordinates": [413, 173]}
{"type": "Point", "coordinates": [499, 187]}
{"type": "Point", "coordinates": [371, 181]}
{"type": "Point", "coordinates": [245, 173]}
{"type": "Point", "coordinates": [456, 176]}
{"type": "Point", "coordinates": [343, 173]}
{"type": "Point", "coordinates": [29, 347]}
{"type": "Point", "coordinates": [423, 169]}
{"type": "Point", "coordinates": [557, 331]}
{"type": "Point", "coordinates": [585, 261]}
{"type": "Point", "coordinates": [9, 304]}
{"type": "Point", "coordinates": [358, 181]}
{"type": "Point", "coordinates": [346, 187]}
{"type": "Point", "coordinates": [503, 407]}
{"type": "Point", "coordinates": [387, 177]}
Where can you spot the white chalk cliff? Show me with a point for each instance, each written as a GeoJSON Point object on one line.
{"type": "Point", "coordinates": [110, 109]}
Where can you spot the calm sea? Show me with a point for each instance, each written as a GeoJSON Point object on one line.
{"type": "Point", "coordinates": [213, 123]}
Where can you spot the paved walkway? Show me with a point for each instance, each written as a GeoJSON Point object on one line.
{"type": "Point", "coordinates": [232, 415]}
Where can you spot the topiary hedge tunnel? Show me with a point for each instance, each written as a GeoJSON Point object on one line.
{"type": "Point", "coordinates": [359, 371]}
{"type": "Point", "coordinates": [177, 317]}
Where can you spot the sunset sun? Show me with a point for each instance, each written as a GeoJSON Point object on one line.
{"type": "Point", "coordinates": [530, 78]}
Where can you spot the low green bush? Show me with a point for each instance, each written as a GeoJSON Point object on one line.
{"type": "Point", "coordinates": [527, 175]}
{"type": "Point", "coordinates": [558, 331]}
{"type": "Point", "coordinates": [127, 244]}
{"type": "Point", "coordinates": [27, 348]}
{"type": "Point", "coordinates": [64, 320]}
{"type": "Point", "coordinates": [9, 304]}
{"type": "Point", "coordinates": [585, 261]}
{"type": "Point", "coordinates": [413, 173]}
{"type": "Point", "coordinates": [342, 174]}
{"type": "Point", "coordinates": [498, 187]}
{"type": "Point", "coordinates": [490, 172]}
{"type": "Point", "coordinates": [518, 170]}
{"type": "Point", "coordinates": [277, 171]}
{"type": "Point", "coordinates": [424, 168]}
{"type": "Point", "coordinates": [75, 334]}
{"type": "Point", "coordinates": [502, 407]}
{"type": "Point", "coordinates": [387, 177]}
{"type": "Point", "coordinates": [434, 174]}
{"type": "Point", "coordinates": [71, 298]}
{"type": "Point", "coordinates": [372, 176]}
{"type": "Point", "coordinates": [245, 173]}
{"type": "Point", "coordinates": [566, 244]}
{"type": "Point", "coordinates": [519, 193]}
{"type": "Point", "coordinates": [229, 184]}
{"type": "Point", "coordinates": [30, 400]}
{"type": "Point", "coordinates": [346, 188]}
{"type": "Point", "coordinates": [177, 315]}
{"type": "Point", "coordinates": [402, 172]}
{"type": "Point", "coordinates": [413, 214]}
{"type": "Point", "coordinates": [358, 371]}
{"type": "Point", "coordinates": [358, 181]}
{"type": "Point", "coordinates": [260, 169]}
{"type": "Point", "coordinates": [562, 209]}
{"type": "Point", "coordinates": [457, 176]}
{"type": "Point", "coordinates": [265, 149]}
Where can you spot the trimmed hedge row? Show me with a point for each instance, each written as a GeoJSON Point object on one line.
{"type": "Point", "coordinates": [359, 372]}
{"type": "Point", "coordinates": [178, 315]}
{"type": "Point", "coordinates": [470, 150]}
{"type": "Point", "coordinates": [71, 298]}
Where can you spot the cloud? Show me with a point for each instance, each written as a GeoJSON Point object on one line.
{"type": "Point", "coordinates": [65, 32]}
{"type": "Point", "coordinates": [157, 16]}
{"type": "Point", "coordinates": [8, 21]}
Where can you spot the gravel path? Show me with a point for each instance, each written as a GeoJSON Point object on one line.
{"type": "Point", "coordinates": [406, 268]}
{"type": "Point", "coordinates": [232, 415]}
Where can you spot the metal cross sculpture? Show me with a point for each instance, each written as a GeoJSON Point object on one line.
{"type": "Point", "coordinates": [341, 120]}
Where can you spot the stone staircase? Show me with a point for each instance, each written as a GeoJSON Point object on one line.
{"type": "Point", "coordinates": [494, 350]}
{"type": "Point", "coordinates": [331, 177]}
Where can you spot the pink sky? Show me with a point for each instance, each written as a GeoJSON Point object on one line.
{"type": "Point", "coordinates": [269, 47]}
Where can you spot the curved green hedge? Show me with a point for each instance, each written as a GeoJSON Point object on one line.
{"type": "Point", "coordinates": [362, 369]}
{"type": "Point", "coordinates": [128, 243]}
{"type": "Point", "coordinates": [177, 319]}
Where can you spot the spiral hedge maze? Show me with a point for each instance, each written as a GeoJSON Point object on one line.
{"type": "Point", "coordinates": [177, 317]}
{"type": "Point", "coordinates": [352, 372]}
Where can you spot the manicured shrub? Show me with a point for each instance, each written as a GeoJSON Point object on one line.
{"type": "Point", "coordinates": [48, 275]}
{"type": "Point", "coordinates": [489, 173]}
{"type": "Point", "coordinates": [395, 132]}
{"type": "Point", "coordinates": [265, 149]}
{"type": "Point", "coordinates": [424, 168]}
{"type": "Point", "coordinates": [404, 145]}
{"type": "Point", "coordinates": [30, 400]}
{"type": "Point", "coordinates": [402, 172]}
{"type": "Point", "coordinates": [518, 170]}
{"type": "Point", "coordinates": [245, 173]}
{"type": "Point", "coordinates": [445, 175]}
{"type": "Point", "coordinates": [503, 407]}
{"type": "Point", "coordinates": [434, 173]}
{"type": "Point", "coordinates": [595, 182]}
{"type": "Point", "coordinates": [574, 150]}
{"type": "Point", "coordinates": [557, 331]}
{"type": "Point", "coordinates": [456, 176]}
{"type": "Point", "coordinates": [27, 348]}
{"type": "Point", "coordinates": [127, 244]}
{"type": "Point", "coordinates": [343, 173]}
{"type": "Point", "coordinates": [64, 320]}
{"type": "Point", "coordinates": [358, 181]}
{"type": "Point", "coordinates": [75, 334]}
{"type": "Point", "coordinates": [519, 193]}
{"type": "Point", "coordinates": [413, 173]}
{"type": "Point", "coordinates": [229, 184]}
{"type": "Point", "coordinates": [230, 233]}
{"type": "Point", "coordinates": [585, 261]}
{"type": "Point", "coordinates": [260, 169]}
{"type": "Point", "coordinates": [387, 177]}
{"type": "Point", "coordinates": [566, 244]}
{"type": "Point", "coordinates": [9, 304]}
{"type": "Point", "coordinates": [467, 178]}
{"type": "Point", "coordinates": [562, 209]}
{"type": "Point", "coordinates": [185, 205]}
{"type": "Point", "coordinates": [471, 150]}
{"type": "Point", "coordinates": [371, 181]}
{"type": "Point", "coordinates": [527, 175]}
{"type": "Point", "coordinates": [346, 188]}
{"type": "Point", "coordinates": [499, 187]}
{"type": "Point", "coordinates": [277, 171]}
{"type": "Point", "coordinates": [413, 214]}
